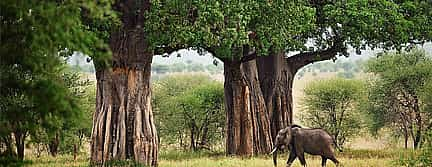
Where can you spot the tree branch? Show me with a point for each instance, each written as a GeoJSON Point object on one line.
{"type": "Point", "coordinates": [302, 59]}
{"type": "Point", "coordinates": [166, 50]}
{"type": "Point", "coordinates": [248, 55]}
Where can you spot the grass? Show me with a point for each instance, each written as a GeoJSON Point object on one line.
{"type": "Point", "coordinates": [267, 162]}
{"type": "Point", "coordinates": [348, 158]}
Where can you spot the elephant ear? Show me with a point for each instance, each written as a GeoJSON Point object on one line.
{"type": "Point", "coordinates": [295, 131]}
{"type": "Point", "coordinates": [288, 135]}
{"type": "Point", "coordinates": [283, 131]}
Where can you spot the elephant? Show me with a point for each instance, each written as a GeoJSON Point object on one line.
{"type": "Point", "coordinates": [314, 141]}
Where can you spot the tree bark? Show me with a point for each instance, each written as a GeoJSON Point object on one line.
{"type": "Point", "coordinates": [8, 145]}
{"type": "Point", "coordinates": [276, 79]}
{"type": "Point", "coordinates": [123, 126]}
{"type": "Point", "coordinates": [418, 123]}
{"type": "Point", "coordinates": [53, 145]}
{"type": "Point", "coordinates": [204, 129]}
{"type": "Point", "coordinates": [406, 139]}
{"type": "Point", "coordinates": [192, 137]}
{"type": "Point", "coordinates": [19, 142]}
{"type": "Point", "coordinates": [75, 152]}
{"type": "Point", "coordinates": [247, 131]}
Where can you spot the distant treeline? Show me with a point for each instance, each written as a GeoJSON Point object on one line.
{"type": "Point", "coordinates": [162, 68]}
{"type": "Point", "coordinates": [186, 67]}
{"type": "Point", "coordinates": [345, 69]}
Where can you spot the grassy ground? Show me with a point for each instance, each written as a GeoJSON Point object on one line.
{"type": "Point", "coordinates": [349, 158]}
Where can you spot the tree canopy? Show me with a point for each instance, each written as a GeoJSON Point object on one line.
{"type": "Point", "coordinates": [189, 107]}
{"type": "Point", "coordinates": [334, 105]}
{"type": "Point", "coordinates": [224, 28]}
{"type": "Point", "coordinates": [398, 96]}
{"type": "Point", "coordinates": [35, 37]}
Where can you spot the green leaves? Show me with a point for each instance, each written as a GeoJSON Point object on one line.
{"type": "Point", "coordinates": [185, 103]}
{"type": "Point", "coordinates": [36, 36]}
{"type": "Point", "coordinates": [399, 78]}
{"type": "Point", "coordinates": [225, 27]}
{"type": "Point", "coordinates": [334, 105]}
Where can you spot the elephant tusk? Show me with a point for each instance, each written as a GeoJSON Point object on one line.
{"type": "Point", "coordinates": [275, 149]}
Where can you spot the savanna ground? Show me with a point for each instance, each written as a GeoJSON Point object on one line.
{"type": "Point", "coordinates": [366, 151]}
{"type": "Point", "coordinates": [349, 158]}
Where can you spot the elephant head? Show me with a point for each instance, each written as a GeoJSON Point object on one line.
{"type": "Point", "coordinates": [283, 139]}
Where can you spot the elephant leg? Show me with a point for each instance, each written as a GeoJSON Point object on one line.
{"type": "Point", "coordinates": [302, 158]}
{"type": "Point", "coordinates": [291, 158]}
{"type": "Point", "coordinates": [334, 160]}
{"type": "Point", "coordinates": [323, 161]}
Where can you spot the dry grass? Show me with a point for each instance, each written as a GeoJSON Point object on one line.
{"type": "Point", "coordinates": [349, 158]}
{"type": "Point", "coordinates": [261, 162]}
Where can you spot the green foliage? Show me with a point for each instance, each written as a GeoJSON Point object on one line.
{"type": "Point", "coordinates": [36, 93]}
{"type": "Point", "coordinates": [186, 105]}
{"type": "Point", "coordinates": [344, 69]}
{"type": "Point", "coordinates": [347, 75]}
{"type": "Point", "coordinates": [334, 105]}
{"type": "Point", "coordinates": [402, 78]}
{"type": "Point", "coordinates": [190, 67]}
{"type": "Point", "coordinates": [176, 155]}
{"type": "Point", "coordinates": [225, 27]}
{"type": "Point", "coordinates": [381, 23]}
{"type": "Point", "coordinates": [423, 158]}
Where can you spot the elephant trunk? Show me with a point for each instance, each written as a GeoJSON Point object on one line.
{"type": "Point", "coordinates": [274, 152]}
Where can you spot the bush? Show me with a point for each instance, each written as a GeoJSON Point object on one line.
{"type": "Point", "coordinates": [334, 105]}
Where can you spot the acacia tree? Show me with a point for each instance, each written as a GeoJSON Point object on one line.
{"type": "Point", "coordinates": [398, 96]}
{"type": "Point", "coordinates": [188, 107]}
{"type": "Point", "coordinates": [334, 105]}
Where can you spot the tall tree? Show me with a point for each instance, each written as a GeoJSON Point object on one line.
{"type": "Point", "coordinates": [34, 39]}
{"type": "Point", "coordinates": [239, 31]}
{"type": "Point", "coordinates": [123, 125]}
{"type": "Point", "coordinates": [359, 24]}
{"type": "Point", "coordinates": [236, 33]}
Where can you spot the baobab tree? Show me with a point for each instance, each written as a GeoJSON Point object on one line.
{"type": "Point", "coordinates": [339, 25]}
{"type": "Point", "coordinates": [236, 33]}
{"type": "Point", "coordinates": [251, 38]}
{"type": "Point", "coordinates": [257, 94]}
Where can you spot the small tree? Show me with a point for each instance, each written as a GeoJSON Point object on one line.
{"type": "Point", "coordinates": [66, 131]}
{"type": "Point", "coordinates": [334, 105]}
{"type": "Point", "coordinates": [398, 97]}
{"type": "Point", "coordinates": [189, 108]}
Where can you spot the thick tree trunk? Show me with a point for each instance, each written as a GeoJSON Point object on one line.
{"type": "Point", "coordinates": [247, 131]}
{"type": "Point", "coordinates": [276, 79]}
{"type": "Point", "coordinates": [123, 126]}
{"type": "Point", "coordinates": [19, 142]}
